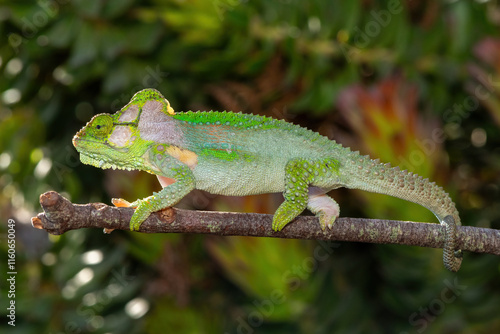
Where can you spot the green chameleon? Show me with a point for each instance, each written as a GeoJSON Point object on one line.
{"type": "Point", "coordinates": [241, 154]}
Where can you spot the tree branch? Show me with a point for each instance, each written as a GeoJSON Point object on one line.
{"type": "Point", "coordinates": [60, 215]}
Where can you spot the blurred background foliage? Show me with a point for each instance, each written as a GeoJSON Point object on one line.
{"type": "Point", "coordinates": [415, 83]}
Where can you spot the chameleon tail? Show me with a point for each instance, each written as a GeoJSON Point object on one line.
{"type": "Point", "coordinates": [370, 175]}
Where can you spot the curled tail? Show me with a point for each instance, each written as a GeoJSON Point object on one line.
{"type": "Point", "coordinates": [370, 175]}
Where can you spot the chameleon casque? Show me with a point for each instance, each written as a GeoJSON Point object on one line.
{"type": "Point", "coordinates": [239, 154]}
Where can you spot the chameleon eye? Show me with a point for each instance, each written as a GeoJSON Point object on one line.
{"type": "Point", "coordinates": [102, 124]}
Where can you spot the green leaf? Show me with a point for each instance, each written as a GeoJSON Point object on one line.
{"type": "Point", "coordinates": [88, 8]}
{"type": "Point", "coordinates": [114, 8]}
{"type": "Point", "coordinates": [86, 46]}
{"type": "Point", "coordinates": [142, 37]}
{"type": "Point", "coordinates": [64, 31]}
{"type": "Point", "coordinates": [113, 42]}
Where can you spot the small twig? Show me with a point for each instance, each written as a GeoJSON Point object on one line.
{"type": "Point", "coordinates": [60, 215]}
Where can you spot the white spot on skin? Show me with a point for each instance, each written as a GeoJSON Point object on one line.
{"type": "Point", "coordinates": [120, 136]}
{"type": "Point", "coordinates": [130, 114]}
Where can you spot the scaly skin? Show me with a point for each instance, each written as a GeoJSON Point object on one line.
{"type": "Point", "coordinates": [239, 154]}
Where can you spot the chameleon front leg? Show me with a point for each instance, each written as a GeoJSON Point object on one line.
{"type": "Point", "coordinates": [300, 174]}
{"type": "Point", "coordinates": [171, 170]}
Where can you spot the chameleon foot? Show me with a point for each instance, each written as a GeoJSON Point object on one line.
{"type": "Point", "coordinates": [286, 213]}
{"type": "Point", "coordinates": [140, 214]}
{"type": "Point", "coordinates": [119, 203]}
{"type": "Point", "coordinates": [324, 207]}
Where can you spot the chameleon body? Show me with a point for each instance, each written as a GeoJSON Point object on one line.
{"type": "Point", "coordinates": [241, 154]}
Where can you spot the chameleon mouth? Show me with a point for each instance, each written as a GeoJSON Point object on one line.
{"type": "Point", "coordinates": [89, 160]}
{"type": "Point", "coordinates": [85, 147]}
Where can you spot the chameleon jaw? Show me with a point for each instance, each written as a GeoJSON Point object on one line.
{"type": "Point", "coordinates": [89, 160]}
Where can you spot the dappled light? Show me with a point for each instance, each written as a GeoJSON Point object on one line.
{"type": "Point", "coordinates": [414, 84]}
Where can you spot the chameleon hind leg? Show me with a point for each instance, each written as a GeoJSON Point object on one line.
{"type": "Point", "coordinates": [300, 174]}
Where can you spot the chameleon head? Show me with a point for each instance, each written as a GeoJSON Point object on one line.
{"type": "Point", "coordinates": [105, 144]}
{"type": "Point", "coordinates": [114, 141]}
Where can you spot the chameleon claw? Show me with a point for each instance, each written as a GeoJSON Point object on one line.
{"type": "Point", "coordinates": [277, 224]}
{"type": "Point", "coordinates": [324, 207]}
{"type": "Point", "coordinates": [286, 212]}
{"type": "Point", "coordinates": [326, 220]}
{"type": "Point", "coordinates": [135, 222]}
{"type": "Point", "coordinates": [141, 213]}
{"type": "Point", "coordinates": [134, 226]}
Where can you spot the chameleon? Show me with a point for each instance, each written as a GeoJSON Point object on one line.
{"type": "Point", "coordinates": [239, 154]}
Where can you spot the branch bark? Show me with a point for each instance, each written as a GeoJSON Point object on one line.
{"type": "Point", "coordinates": [60, 216]}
